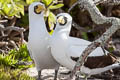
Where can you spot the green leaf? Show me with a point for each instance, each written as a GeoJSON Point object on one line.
{"type": "Point", "coordinates": [0, 5]}
{"type": "Point", "coordinates": [51, 32]}
{"type": "Point", "coordinates": [51, 20]}
{"type": "Point", "coordinates": [23, 21]}
{"type": "Point", "coordinates": [84, 34]}
{"type": "Point", "coordinates": [20, 8]}
{"type": "Point", "coordinates": [37, 0]}
{"type": "Point", "coordinates": [47, 2]}
{"type": "Point", "coordinates": [12, 13]}
{"type": "Point", "coordinates": [2, 13]}
{"type": "Point", "coordinates": [5, 1]}
{"type": "Point", "coordinates": [1, 10]}
{"type": "Point", "coordinates": [12, 8]}
{"type": "Point", "coordinates": [7, 8]}
{"type": "Point", "coordinates": [17, 0]}
{"type": "Point", "coordinates": [47, 12]}
{"type": "Point", "coordinates": [18, 15]}
{"type": "Point", "coordinates": [56, 6]}
{"type": "Point", "coordinates": [29, 1]}
{"type": "Point", "coordinates": [21, 2]}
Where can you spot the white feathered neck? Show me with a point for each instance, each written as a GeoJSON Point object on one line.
{"type": "Point", "coordinates": [64, 29]}
{"type": "Point", "coordinates": [37, 22]}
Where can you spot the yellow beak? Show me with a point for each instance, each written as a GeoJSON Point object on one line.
{"type": "Point", "coordinates": [61, 20]}
{"type": "Point", "coordinates": [39, 8]}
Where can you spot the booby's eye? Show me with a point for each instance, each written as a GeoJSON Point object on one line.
{"type": "Point", "coordinates": [38, 9]}
{"type": "Point", "coordinates": [61, 20]}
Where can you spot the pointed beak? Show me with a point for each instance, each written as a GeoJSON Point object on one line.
{"type": "Point", "coordinates": [61, 20]}
{"type": "Point", "coordinates": [39, 8]}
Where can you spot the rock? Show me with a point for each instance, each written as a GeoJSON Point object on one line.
{"type": "Point", "coordinates": [48, 74]}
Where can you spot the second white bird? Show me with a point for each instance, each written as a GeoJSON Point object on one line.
{"type": "Point", "coordinates": [66, 50]}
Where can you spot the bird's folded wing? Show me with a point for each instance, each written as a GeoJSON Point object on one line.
{"type": "Point", "coordinates": [75, 50]}
{"type": "Point", "coordinates": [77, 46]}
{"type": "Point", "coordinates": [78, 41]}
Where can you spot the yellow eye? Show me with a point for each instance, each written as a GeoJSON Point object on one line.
{"type": "Point", "coordinates": [38, 9]}
{"type": "Point", "coordinates": [62, 20]}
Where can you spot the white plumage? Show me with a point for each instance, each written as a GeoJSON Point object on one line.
{"type": "Point", "coordinates": [64, 47]}
{"type": "Point", "coordinates": [38, 39]}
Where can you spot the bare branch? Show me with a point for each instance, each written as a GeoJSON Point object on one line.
{"type": "Point", "coordinates": [2, 21]}
{"type": "Point", "coordinates": [97, 2]}
{"type": "Point", "coordinates": [18, 29]}
{"type": "Point", "coordinates": [98, 18]}
{"type": "Point", "coordinates": [76, 26]}
{"type": "Point", "coordinates": [3, 44]}
{"type": "Point", "coordinates": [12, 23]}
{"type": "Point", "coordinates": [2, 29]}
{"type": "Point", "coordinates": [13, 44]}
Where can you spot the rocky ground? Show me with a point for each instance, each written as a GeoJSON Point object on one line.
{"type": "Point", "coordinates": [49, 74]}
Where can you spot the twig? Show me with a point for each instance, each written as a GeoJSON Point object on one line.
{"type": "Point", "coordinates": [111, 2]}
{"type": "Point", "coordinates": [109, 10]}
{"type": "Point", "coordinates": [72, 6]}
{"type": "Point", "coordinates": [2, 29]}
{"type": "Point", "coordinates": [13, 44]}
{"type": "Point", "coordinates": [2, 21]}
{"type": "Point", "coordinates": [3, 43]}
{"type": "Point", "coordinates": [50, 4]}
{"type": "Point", "coordinates": [22, 37]}
{"type": "Point", "coordinates": [12, 23]}
{"type": "Point", "coordinates": [76, 26]}
{"type": "Point", "coordinates": [98, 18]}
{"type": "Point", "coordinates": [97, 2]}
{"type": "Point", "coordinates": [3, 36]}
{"type": "Point", "coordinates": [18, 29]}
{"type": "Point", "coordinates": [10, 28]}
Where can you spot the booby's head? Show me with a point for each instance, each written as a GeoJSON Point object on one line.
{"type": "Point", "coordinates": [37, 9]}
{"type": "Point", "coordinates": [36, 16]}
{"type": "Point", "coordinates": [64, 21]}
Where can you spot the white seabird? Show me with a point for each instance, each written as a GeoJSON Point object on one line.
{"type": "Point", "coordinates": [66, 50]}
{"type": "Point", "coordinates": [38, 40]}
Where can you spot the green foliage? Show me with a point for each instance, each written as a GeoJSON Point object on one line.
{"type": "Point", "coordinates": [51, 20]}
{"type": "Point", "coordinates": [111, 49]}
{"type": "Point", "coordinates": [101, 8]}
{"type": "Point", "coordinates": [6, 73]}
{"type": "Point", "coordinates": [47, 2]}
{"type": "Point", "coordinates": [84, 35]}
{"type": "Point", "coordinates": [8, 60]}
{"type": "Point", "coordinates": [49, 14]}
{"type": "Point", "coordinates": [23, 21]}
{"type": "Point", "coordinates": [15, 56]}
{"type": "Point", "coordinates": [56, 6]}
{"type": "Point", "coordinates": [31, 1]}
{"type": "Point", "coordinates": [21, 54]}
{"type": "Point", "coordinates": [11, 8]}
